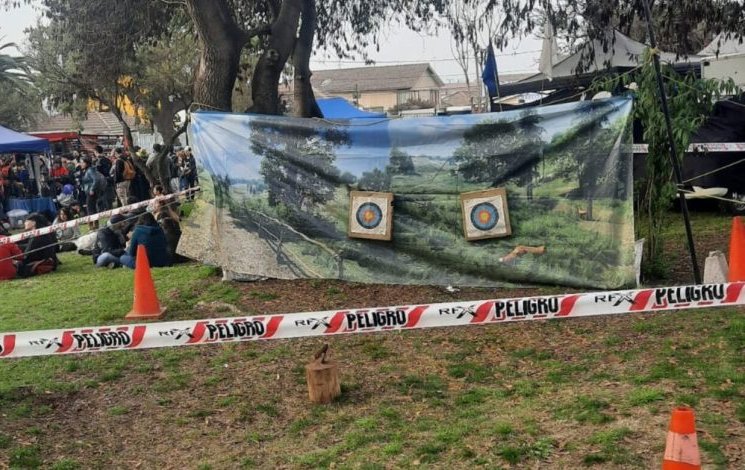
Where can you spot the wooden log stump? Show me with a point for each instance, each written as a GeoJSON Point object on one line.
{"type": "Point", "coordinates": [323, 378]}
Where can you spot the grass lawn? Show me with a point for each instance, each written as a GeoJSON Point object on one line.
{"type": "Point", "coordinates": [578, 393]}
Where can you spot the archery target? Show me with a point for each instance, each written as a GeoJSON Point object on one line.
{"type": "Point", "coordinates": [485, 214]}
{"type": "Point", "coordinates": [370, 215]}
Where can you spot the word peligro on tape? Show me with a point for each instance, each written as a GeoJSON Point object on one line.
{"type": "Point", "coordinates": [367, 320]}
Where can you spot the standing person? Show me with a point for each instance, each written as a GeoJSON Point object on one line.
{"type": "Point", "coordinates": [103, 165]}
{"type": "Point", "coordinates": [190, 171]}
{"type": "Point", "coordinates": [173, 170]}
{"type": "Point", "coordinates": [94, 184]}
{"type": "Point", "coordinates": [140, 185]}
{"type": "Point", "coordinates": [147, 232]}
{"type": "Point", "coordinates": [123, 172]}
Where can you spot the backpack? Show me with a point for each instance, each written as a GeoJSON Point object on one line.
{"type": "Point", "coordinates": [128, 171]}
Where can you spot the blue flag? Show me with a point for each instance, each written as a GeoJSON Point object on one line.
{"type": "Point", "coordinates": [490, 76]}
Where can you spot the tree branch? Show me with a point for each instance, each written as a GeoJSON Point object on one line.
{"type": "Point", "coordinates": [263, 30]}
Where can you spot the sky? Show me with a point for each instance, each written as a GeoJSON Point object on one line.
{"type": "Point", "coordinates": [399, 45]}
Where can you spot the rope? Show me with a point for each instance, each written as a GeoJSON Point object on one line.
{"type": "Point", "coordinates": [717, 170]}
{"type": "Point", "coordinates": [126, 219]}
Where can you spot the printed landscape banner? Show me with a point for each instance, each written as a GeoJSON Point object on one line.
{"type": "Point", "coordinates": [276, 196]}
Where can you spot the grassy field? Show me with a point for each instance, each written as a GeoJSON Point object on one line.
{"type": "Point", "coordinates": [562, 394]}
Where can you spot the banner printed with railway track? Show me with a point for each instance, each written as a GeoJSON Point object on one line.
{"type": "Point", "coordinates": [276, 197]}
{"type": "Point", "coordinates": [368, 320]}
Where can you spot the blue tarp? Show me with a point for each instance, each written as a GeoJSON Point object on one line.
{"type": "Point", "coordinates": [12, 141]}
{"type": "Point", "coordinates": [339, 108]}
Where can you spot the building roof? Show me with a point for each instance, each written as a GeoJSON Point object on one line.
{"type": "Point", "coordinates": [723, 45]}
{"type": "Point", "coordinates": [96, 123]}
{"type": "Point", "coordinates": [377, 78]}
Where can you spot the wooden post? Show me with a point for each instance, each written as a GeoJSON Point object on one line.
{"type": "Point", "coordinates": [323, 378]}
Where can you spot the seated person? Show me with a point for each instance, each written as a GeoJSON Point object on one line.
{"type": "Point", "coordinates": [147, 232]}
{"type": "Point", "coordinates": [66, 198]}
{"type": "Point", "coordinates": [131, 216]}
{"type": "Point", "coordinates": [110, 243]}
{"type": "Point", "coordinates": [168, 221]}
{"type": "Point", "coordinates": [10, 254]}
{"type": "Point", "coordinates": [66, 236]}
{"type": "Point", "coordinates": [40, 252]}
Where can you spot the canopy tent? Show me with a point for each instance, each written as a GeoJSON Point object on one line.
{"type": "Point", "coordinates": [723, 46]}
{"type": "Point", "coordinates": [12, 141]}
{"type": "Point", "coordinates": [339, 108]}
{"type": "Point", "coordinates": [623, 52]}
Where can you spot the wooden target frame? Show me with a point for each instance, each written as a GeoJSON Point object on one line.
{"type": "Point", "coordinates": [496, 197]}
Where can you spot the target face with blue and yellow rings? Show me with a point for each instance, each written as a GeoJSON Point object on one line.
{"type": "Point", "coordinates": [484, 216]}
{"type": "Point", "coordinates": [369, 215]}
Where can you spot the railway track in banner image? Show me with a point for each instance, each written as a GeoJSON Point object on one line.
{"type": "Point", "coordinates": [583, 393]}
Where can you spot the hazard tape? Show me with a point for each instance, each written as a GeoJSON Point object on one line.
{"type": "Point", "coordinates": [703, 147]}
{"type": "Point", "coordinates": [368, 320]}
{"type": "Point", "coordinates": [90, 218]}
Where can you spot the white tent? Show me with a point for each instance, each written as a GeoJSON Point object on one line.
{"type": "Point", "coordinates": [623, 52]}
{"type": "Point", "coordinates": [724, 46]}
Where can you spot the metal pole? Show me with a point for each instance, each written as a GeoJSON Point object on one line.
{"type": "Point", "coordinates": [673, 152]}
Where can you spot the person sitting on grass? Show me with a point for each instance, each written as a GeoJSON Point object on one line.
{"type": "Point", "coordinates": [66, 236]}
{"type": "Point", "coordinates": [40, 252]}
{"type": "Point", "coordinates": [169, 222]}
{"type": "Point", "coordinates": [10, 254]}
{"type": "Point", "coordinates": [147, 232]}
{"type": "Point", "coordinates": [110, 243]}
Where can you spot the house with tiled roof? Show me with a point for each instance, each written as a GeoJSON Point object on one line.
{"type": "Point", "coordinates": [380, 88]}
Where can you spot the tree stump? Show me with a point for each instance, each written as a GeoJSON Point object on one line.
{"type": "Point", "coordinates": [323, 378]}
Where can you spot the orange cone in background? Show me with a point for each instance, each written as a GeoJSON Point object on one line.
{"type": "Point", "coordinates": [145, 305]}
{"type": "Point", "coordinates": [737, 251]}
{"type": "Point", "coordinates": [681, 450]}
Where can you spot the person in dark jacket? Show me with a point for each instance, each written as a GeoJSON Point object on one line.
{"type": "Point", "coordinates": [40, 252]}
{"type": "Point", "coordinates": [147, 232]}
{"type": "Point", "coordinates": [110, 243]}
{"type": "Point", "coordinates": [103, 165]}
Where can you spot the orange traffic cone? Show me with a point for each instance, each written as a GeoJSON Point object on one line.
{"type": "Point", "coordinates": [681, 450]}
{"type": "Point", "coordinates": [145, 305]}
{"type": "Point", "coordinates": [737, 251]}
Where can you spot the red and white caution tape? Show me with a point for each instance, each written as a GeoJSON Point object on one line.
{"type": "Point", "coordinates": [91, 218]}
{"type": "Point", "coordinates": [702, 147]}
{"type": "Point", "coordinates": [368, 320]}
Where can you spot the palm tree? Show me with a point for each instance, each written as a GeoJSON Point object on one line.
{"type": "Point", "coordinates": [14, 70]}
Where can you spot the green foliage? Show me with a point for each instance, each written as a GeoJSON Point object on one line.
{"type": "Point", "coordinates": [298, 168]}
{"type": "Point", "coordinates": [502, 151]}
{"type": "Point", "coordinates": [20, 106]}
{"type": "Point", "coordinates": [14, 70]}
{"type": "Point", "coordinates": [689, 101]}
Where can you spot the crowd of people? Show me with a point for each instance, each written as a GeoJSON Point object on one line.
{"type": "Point", "coordinates": [88, 183]}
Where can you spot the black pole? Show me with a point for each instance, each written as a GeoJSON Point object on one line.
{"type": "Point", "coordinates": [673, 153]}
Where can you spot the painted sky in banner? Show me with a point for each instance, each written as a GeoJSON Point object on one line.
{"type": "Point", "coordinates": [279, 187]}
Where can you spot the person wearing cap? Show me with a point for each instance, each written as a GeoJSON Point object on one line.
{"type": "Point", "coordinates": [110, 243]}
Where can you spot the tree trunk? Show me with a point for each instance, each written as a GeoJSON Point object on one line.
{"type": "Point", "coordinates": [163, 119]}
{"type": "Point", "coordinates": [220, 42]}
{"type": "Point", "coordinates": [305, 99]}
{"type": "Point", "coordinates": [264, 89]}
